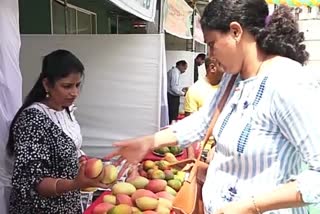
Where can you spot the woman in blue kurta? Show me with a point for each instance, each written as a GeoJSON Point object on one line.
{"type": "Point", "coordinates": [270, 124]}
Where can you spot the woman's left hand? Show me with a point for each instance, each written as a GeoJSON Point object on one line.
{"type": "Point", "coordinates": [240, 207]}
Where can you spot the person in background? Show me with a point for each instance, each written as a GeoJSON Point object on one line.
{"type": "Point", "coordinates": [174, 90]}
{"type": "Point", "coordinates": [45, 138]}
{"type": "Point", "coordinates": [198, 61]}
{"type": "Point", "coordinates": [204, 88]}
{"type": "Point", "coordinates": [197, 94]}
{"type": "Point", "coordinates": [270, 123]}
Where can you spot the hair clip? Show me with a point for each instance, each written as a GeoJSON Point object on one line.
{"type": "Point", "coordinates": [267, 20]}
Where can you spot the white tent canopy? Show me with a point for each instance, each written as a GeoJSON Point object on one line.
{"type": "Point", "coordinates": [10, 88]}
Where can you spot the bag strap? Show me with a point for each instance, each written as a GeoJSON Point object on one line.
{"type": "Point", "coordinates": [217, 113]}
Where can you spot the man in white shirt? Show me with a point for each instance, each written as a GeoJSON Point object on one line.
{"type": "Point", "coordinates": [10, 89]}
{"type": "Point", "coordinates": [174, 90]}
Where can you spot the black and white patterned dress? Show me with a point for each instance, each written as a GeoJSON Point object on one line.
{"type": "Point", "coordinates": [42, 150]}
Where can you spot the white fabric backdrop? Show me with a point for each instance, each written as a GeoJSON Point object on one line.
{"type": "Point", "coordinates": [10, 88]}
{"type": "Point", "coordinates": [121, 93]}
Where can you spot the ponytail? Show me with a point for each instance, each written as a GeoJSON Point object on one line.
{"type": "Point", "coordinates": [281, 36]}
{"type": "Point", "coordinates": [36, 94]}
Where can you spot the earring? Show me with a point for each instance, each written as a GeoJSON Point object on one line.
{"type": "Point", "coordinates": [47, 94]}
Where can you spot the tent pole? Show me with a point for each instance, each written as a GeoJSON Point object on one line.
{"type": "Point", "coordinates": [66, 16]}
{"type": "Point", "coordinates": [161, 30]}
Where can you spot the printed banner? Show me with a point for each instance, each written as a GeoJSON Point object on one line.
{"type": "Point", "coordinates": [145, 9]}
{"type": "Point", "coordinates": [295, 3]}
{"type": "Point", "coordinates": [177, 19]}
{"type": "Point", "coordinates": [197, 30]}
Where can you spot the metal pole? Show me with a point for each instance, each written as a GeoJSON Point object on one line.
{"type": "Point", "coordinates": [66, 16]}
{"type": "Point", "coordinates": [161, 29]}
{"type": "Point", "coordinates": [193, 24]}
{"type": "Point", "coordinates": [117, 24]}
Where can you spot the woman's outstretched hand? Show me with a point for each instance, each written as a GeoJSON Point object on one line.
{"type": "Point", "coordinates": [132, 150]}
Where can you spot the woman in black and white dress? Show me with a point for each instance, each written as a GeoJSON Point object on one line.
{"type": "Point", "coordinates": [45, 140]}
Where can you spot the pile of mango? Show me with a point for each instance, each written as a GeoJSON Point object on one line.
{"type": "Point", "coordinates": [175, 150]}
{"type": "Point", "coordinates": [151, 192]}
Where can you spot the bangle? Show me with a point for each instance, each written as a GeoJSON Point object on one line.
{"type": "Point", "coordinates": [55, 186]}
{"type": "Point", "coordinates": [255, 206]}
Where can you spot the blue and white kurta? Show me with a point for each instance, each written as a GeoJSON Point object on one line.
{"type": "Point", "coordinates": [268, 128]}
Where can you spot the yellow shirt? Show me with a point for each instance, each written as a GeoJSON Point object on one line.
{"type": "Point", "coordinates": [196, 96]}
{"type": "Point", "coordinates": [198, 93]}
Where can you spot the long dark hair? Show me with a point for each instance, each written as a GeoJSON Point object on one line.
{"type": "Point", "coordinates": [56, 65]}
{"type": "Point", "coordinates": [277, 35]}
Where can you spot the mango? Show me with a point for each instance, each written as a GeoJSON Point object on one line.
{"type": "Point", "coordinates": [163, 165]}
{"type": "Point", "coordinates": [149, 212]}
{"type": "Point", "coordinates": [156, 185]}
{"type": "Point", "coordinates": [175, 150]}
{"type": "Point", "coordinates": [139, 182]}
{"type": "Point", "coordinates": [165, 195]}
{"type": "Point", "coordinates": [149, 173]}
{"type": "Point", "coordinates": [180, 175]}
{"type": "Point", "coordinates": [148, 164]}
{"type": "Point", "coordinates": [162, 210]}
{"type": "Point", "coordinates": [170, 191]}
{"type": "Point", "coordinates": [162, 150]}
{"type": "Point", "coordinates": [175, 184]}
{"type": "Point", "coordinates": [110, 174]}
{"type": "Point", "coordinates": [123, 188]}
{"type": "Point", "coordinates": [121, 209]}
{"type": "Point", "coordinates": [176, 177]}
{"type": "Point", "coordinates": [157, 174]}
{"type": "Point", "coordinates": [168, 174]}
{"type": "Point", "coordinates": [111, 199]}
{"type": "Point", "coordinates": [143, 173]}
{"type": "Point", "coordinates": [102, 208]}
{"type": "Point", "coordinates": [146, 203]}
{"type": "Point", "coordinates": [143, 193]}
{"type": "Point", "coordinates": [135, 210]}
{"type": "Point", "coordinates": [123, 199]}
{"type": "Point", "coordinates": [93, 168]}
{"type": "Point", "coordinates": [174, 171]}
{"type": "Point", "coordinates": [89, 189]}
{"type": "Point", "coordinates": [162, 202]}
{"type": "Point", "coordinates": [170, 158]}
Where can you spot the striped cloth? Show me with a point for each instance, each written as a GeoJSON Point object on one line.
{"type": "Point", "coordinates": [268, 128]}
